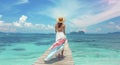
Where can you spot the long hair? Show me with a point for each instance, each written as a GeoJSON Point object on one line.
{"type": "Point", "coordinates": [59, 25]}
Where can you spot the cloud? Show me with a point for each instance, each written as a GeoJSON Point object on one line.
{"type": "Point", "coordinates": [49, 27]}
{"type": "Point", "coordinates": [10, 6]}
{"type": "Point", "coordinates": [113, 26]}
{"type": "Point", "coordinates": [111, 2]}
{"type": "Point", "coordinates": [112, 23]}
{"type": "Point", "coordinates": [21, 22]}
{"type": "Point", "coordinates": [2, 23]}
{"type": "Point", "coordinates": [16, 24]}
{"type": "Point", "coordinates": [44, 27]}
{"type": "Point", "coordinates": [98, 29]}
{"type": "Point", "coordinates": [6, 27]}
{"type": "Point", "coordinates": [28, 24]}
{"type": "Point", "coordinates": [22, 2]}
{"type": "Point", "coordinates": [118, 27]}
{"type": "Point", "coordinates": [88, 20]}
{"type": "Point", "coordinates": [71, 10]}
{"type": "Point", "coordinates": [23, 26]}
{"type": "Point", "coordinates": [62, 8]}
{"type": "Point", "coordinates": [22, 19]}
{"type": "Point", "coordinates": [0, 16]}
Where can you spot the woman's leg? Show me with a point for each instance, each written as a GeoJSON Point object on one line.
{"type": "Point", "coordinates": [62, 53]}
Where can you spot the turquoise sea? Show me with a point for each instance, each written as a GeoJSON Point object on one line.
{"type": "Point", "coordinates": [88, 49]}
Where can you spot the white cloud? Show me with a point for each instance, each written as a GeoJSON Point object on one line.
{"type": "Point", "coordinates": [98, 29]}
{"type": "Point", "coordinates": [49, 27]}
{"type": "Point", "coordinates": [10, 6]}
{"type": "Point", "coordinates": [112, 2]}
{"type": "Point", "coordinates": [70, 9]}
{"type": "Point", "coordinates": [2, 29]}
{"type": "Point", "coordinates": [28, 24]}
{"type": "Point", "coordinates": [63, 8]}
{"type": "Point", "coordinates": [113, 26]}
{"type": "Point", "coordinates": [22, 19]}
{"type": "Point", "coordinates": [16, 24]}
{"type": "Point", "coordinates": [41, 26]}
{"type": "Point", "coordinates": [6, 27]}
{"type": "Point", "coordinates": [44, 27]}
{"type": "Point", "coordinates": [112, 23]}
{"type": "Point", "coordinates": [22, 2]}
{"type": "Point", "coordinates": [118, 27]}
{"type": "Point", "coordinates": [22, 22]}
{"type": "Point", "coordinates": [1, 22]}
{"type": "Point", "coordinates": [0, 16]}
{"type": "Point", "coordinates": [112, 12]}
{"type": "Point", "coordinates": [23, 26]}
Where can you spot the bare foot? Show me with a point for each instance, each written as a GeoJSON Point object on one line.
{"type": "Point", "coordinates": [61, 56]}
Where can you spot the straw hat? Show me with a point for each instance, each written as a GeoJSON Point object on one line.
{"type": "Point", "coordinates": [60, 20]}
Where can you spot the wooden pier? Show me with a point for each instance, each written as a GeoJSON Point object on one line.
{"type": "Point", "coordinates": [67, 60]}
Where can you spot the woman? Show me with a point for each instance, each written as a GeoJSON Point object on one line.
{"type": "Point", "coordinates": [60, 32]}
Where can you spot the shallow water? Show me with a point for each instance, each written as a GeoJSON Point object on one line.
{"type": "Point", "coordinates": [23, 49]}
{"type": "Point", "coordinates": [92, 49]}
{"type": "Point", "coordinates": [96, 49]}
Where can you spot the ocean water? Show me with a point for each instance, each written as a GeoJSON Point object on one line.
{"type": "Point", "coordinates": [95, 49]}
{"type": "Point", "coordinates": [23, 49]}
{"type": "Point", "coordinates": [89, 49]}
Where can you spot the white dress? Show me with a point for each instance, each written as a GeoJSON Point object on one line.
{"type": "Point", "coordinates": [60, 35]}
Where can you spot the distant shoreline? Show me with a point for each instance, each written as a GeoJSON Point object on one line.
{"type": "Point", "coordinates": [71, 33]}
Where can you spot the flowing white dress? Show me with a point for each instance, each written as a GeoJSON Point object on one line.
{"type": "Point", "coordinates": [60, 35]}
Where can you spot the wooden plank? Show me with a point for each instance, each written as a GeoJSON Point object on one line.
{"type": "Point", "coordinates": [67, 60]}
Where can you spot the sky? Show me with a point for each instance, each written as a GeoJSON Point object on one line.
{"type": "Point", "coordinates": [39, 16]}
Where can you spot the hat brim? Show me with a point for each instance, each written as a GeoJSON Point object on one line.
{"type": "Point", "coordinates": [60, 21]}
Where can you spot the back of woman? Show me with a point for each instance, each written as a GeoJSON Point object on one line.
{"type": "Point", "coordinates": [58, 46]}
{"type": "Point", "coordinates": [60, 32]}
{"type": "Point", "coordinates": [60, 29]}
